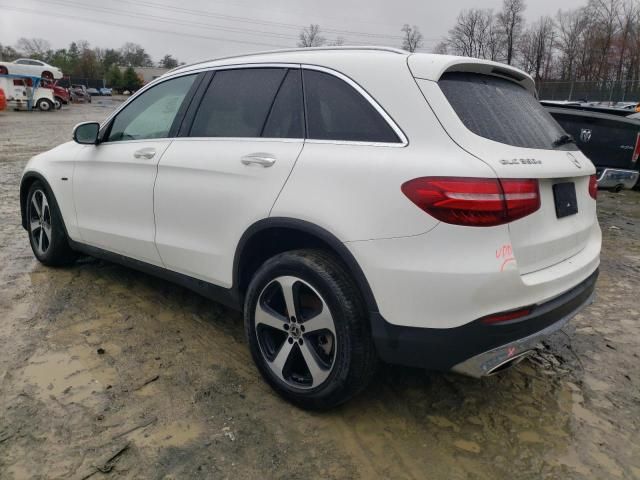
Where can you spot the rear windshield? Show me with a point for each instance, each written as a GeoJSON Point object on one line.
{"type": "Point", "coordinates": [501, 110]}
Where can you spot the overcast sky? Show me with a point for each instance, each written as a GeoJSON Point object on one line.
{"type": "Point", "coordinates": [193, 30]}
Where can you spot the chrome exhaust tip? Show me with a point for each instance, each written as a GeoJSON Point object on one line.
{"type": "Point", "coordinates": [507, 364]}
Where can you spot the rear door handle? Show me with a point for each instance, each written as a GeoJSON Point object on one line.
{"type": "Point", "coordinates": [147, 153]}
{"type": "Point", "coordinates": [264, 159]}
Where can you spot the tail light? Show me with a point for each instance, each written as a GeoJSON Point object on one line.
{"type": "Point", "coordinates": [636, 151]}
{"type": "Point", "coordinates": [475, 202]}
{"type": "Point", "coordinates": [593, 186]}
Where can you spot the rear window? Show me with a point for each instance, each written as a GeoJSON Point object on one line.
{"type": "Point", "coordinates": [501, 110]}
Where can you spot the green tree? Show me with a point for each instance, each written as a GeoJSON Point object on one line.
{"type": "Point", "coordinates": [130, 80]}
{"type": "Point", "coordinates": [114, 77]}
{"type": "Point", "coordinates": [110, 57]}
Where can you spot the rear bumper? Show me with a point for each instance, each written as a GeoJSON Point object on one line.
{"type": "Point", "coordinates": [476, 349]}
{"type": "Point", "coordinates": [612, 177]}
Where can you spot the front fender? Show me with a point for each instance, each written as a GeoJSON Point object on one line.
{"type": "Point", "coordinates": [55, 170]}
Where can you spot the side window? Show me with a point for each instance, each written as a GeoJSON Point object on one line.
{"type": "Point", "coordinates": [151, 115]}
{"type": "Point", "coordinates": [286, 119]}
{"type": "Point", "coordinates": [336, 111]}
{"type": "Point", "coordinates": [237, 102]}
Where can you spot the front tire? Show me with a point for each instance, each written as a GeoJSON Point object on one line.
{"type": "Point", "coordinates": [45, 105]}
{"type": "Point", "coordinates": [307, 329]}
{"type": "Point", "coordinates": [47, 234]}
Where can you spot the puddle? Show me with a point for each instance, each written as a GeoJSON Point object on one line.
{"type": "Point", "coordinates": [71, 376]}
{"type": "Point", "coordinates": [176, 434]}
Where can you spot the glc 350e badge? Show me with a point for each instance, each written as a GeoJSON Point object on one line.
{"type": "Point", "coordinates": [521, 161]}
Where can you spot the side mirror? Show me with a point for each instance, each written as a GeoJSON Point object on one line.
{"type": "Point", "coordinates": [86, 133]}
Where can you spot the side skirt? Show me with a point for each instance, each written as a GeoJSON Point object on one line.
{"type": "Point", "coordinates": [229, 297]}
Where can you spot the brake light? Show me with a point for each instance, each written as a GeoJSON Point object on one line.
{"type": "Point", "coordinates": [474, 202]}
{"type": "Point", "coordinates": [593, 186]}
{"type": "Point", "coordinates": [636, 151]}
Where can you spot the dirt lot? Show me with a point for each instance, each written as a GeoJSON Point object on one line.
{"type": "Point", "coordinates": [105, 372]}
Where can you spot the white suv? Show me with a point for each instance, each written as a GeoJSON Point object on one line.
{"type": "Point", "coordinates": [356, 203]}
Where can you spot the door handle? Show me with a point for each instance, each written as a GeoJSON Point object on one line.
{"type": "Point", "coordinates": [264, 159]}
{"type": "Point", "coordinates": [147, 153]}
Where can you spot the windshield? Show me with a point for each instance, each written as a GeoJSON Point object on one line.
{"type": "Point", "coordinates": [502, 111]}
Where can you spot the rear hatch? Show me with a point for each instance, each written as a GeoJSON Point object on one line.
{"type": "Point", "coordinates": [490, 111]}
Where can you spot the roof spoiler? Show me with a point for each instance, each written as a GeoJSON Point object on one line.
{"type": "Point", "coordinates": [432, 67]}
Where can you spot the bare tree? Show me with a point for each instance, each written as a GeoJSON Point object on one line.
{"type": "Point", "coordinates": [310, 37]}
{"type": "Point", "coordinates": [33, 47]}
{"type": "Point", "coordinates": [338, 42]}
{"type": "Point", "coordinates": [475, 34]}
{"type": "Point", "coordinates": [511, 21]}
{"type": "Point", "coordinates": [536, 47]}
{"type": "Point", "coordinates": [412, 38]}
{"type": "Point", "coordinates": [571, 27]}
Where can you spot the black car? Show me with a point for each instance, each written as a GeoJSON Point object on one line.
{"type": "Point", "coordinates": [611, 142]}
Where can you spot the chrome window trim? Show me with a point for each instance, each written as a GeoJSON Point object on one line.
{"type": "Point", "coordinates": [381, 111]}
{"type": "Point", "coordinates": [242, 139]}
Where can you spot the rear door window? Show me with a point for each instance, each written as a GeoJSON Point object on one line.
{"type": "Point", "coordinates": [501, 110]}
{"type": "Point", "coordinates": [336, 111]}
{"type": "Point", "coordinates": [286, 119]}
{"type": "Point", "coordinates": [237, 103]}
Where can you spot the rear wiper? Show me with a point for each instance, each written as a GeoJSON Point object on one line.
{"type": "Point", "coordinates": [563, 140]}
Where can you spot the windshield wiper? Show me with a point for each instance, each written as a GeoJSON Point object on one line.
{"type": "Point", "coordinates": [563, 140]}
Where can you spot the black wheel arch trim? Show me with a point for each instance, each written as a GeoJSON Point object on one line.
{"type": "Point", "coordinates": [27, 179]}
{"type": "Point", "coordinates": [312, 229]}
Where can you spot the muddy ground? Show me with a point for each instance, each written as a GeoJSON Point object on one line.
{"type": "Point", "coordinates": [105, 372]}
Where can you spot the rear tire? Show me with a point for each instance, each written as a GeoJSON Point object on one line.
{"type": "Point", "coordinates": [322, 354]}
{"type": "Point", "coordinates": [47, 234]}
{"type": "Point", "coordinates": [58, 103]}
{"type": "Point", "coordinates": [3, 70]}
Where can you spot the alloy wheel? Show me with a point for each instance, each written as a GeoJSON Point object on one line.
{"type": "Point", "coordinates": [296, 332]}
{"type": "Point", "coordinates": [40, 222]}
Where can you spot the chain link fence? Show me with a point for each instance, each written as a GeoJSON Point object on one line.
{"type": "Point", "coordinates": [610, 91]}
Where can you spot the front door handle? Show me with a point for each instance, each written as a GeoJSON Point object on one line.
{"type": "Point", "coordinates": [147, 153]}
{"type": "Point", "coordinates": [264, 159]}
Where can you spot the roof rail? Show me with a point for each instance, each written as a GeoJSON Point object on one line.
{"type": "Point", "coordinates": [289, 50]}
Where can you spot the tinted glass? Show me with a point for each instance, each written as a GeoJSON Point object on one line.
{"type": "Point", "coordinates": [501, 110]}
{"type": "Point", "coordinates": [153, 112]}
{"type": "Point", "coordinates": [336, 111]}
{"type": "Point", "coordinates": [286, 119]}
{"type": "Point", "coordinates": [237, 103]}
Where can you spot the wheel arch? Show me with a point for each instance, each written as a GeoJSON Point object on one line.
{"type": "Point", "coordinates": [275, 235]}
{"type": "Point", "coordinates": [28, 179]}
